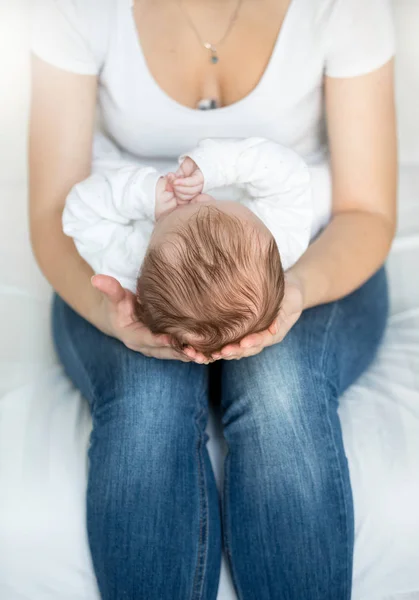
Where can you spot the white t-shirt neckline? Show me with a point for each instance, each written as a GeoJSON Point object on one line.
{"type": "Point", "coordinates": [280, 42]}
{"type": "Point", "coordinates": [336, 38]}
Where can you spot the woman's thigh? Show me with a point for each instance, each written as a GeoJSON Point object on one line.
{"type": "Point", "coordinates": [330, 346]}
{"type": "Point", "coordinates": [287, 481]}
{"type": "Point", "coordinates": [152, 505]}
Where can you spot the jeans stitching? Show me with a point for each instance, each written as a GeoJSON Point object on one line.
{"type": "Point", "coordinates": [343, 514]}
{"type": "Point", "coordinates": [199, 577]}
{"type": "Point", "coordinates": [226, 526]}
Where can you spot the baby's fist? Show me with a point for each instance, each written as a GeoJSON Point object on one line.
{"type": "Point", "coordinates": [165, 196]}
{"type": "Point", "coordinates": [189, 181]}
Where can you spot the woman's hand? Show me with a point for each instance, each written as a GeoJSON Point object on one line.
{"type": "Point", "coordinates": [290, 312]}
{"type": "Point", "coordinates": [118, 308]}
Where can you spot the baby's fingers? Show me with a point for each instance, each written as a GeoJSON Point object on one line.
{"type": "Point", "coordinates": [184, 198]}
{"type": "Point", "coordinates": [193, 180]}
{"type": "Point", "coordinates": [183, 189]}
{"type": "Point", "coordinates": [187, 167]}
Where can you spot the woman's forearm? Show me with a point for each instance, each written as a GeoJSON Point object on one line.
{"type": "Point", "coordinates": [65, 270]}
{"type": "Point", "coordinates": [349, 251]}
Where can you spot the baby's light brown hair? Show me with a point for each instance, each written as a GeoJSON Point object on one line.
{"type": "Point", "coordinates": [215, 280]}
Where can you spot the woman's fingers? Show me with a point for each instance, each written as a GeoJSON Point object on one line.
{"type": "Point", "coordinates": [139, 331]}
{"type": "Point", "coordinates": [236, 351]}
{"type": "Point", "coordinates": [194, 355]}
{"type": "Point", "coordinates": [109, 286]}
{"type": "Point", "coordinates": [253, 339]}
{"type": "Point", "coordinates": [229, 350]}
{"type": "Point", "coordinates": [190, 352]}
{"type": "Point", "coordinates": [163, 354]}
{"type": "Point", "coordinates": [243, 353]}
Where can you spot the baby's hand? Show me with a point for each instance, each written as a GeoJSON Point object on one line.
{"type": "Point", "coordinates": [165, 196]}
{"type": "Point", "coordinates": [189, 181]}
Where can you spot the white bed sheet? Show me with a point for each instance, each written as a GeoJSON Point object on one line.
{"type": "Point", "coordinates": [45, 425]}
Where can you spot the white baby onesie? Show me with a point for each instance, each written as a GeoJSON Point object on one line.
{"type": "Point", "coordinates": [110, 215]}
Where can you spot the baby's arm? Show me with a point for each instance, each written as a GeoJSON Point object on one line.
{"type": "Point", "coordinates": [110, 216]}
{"type": "Point", "coordinates": [276, 181]}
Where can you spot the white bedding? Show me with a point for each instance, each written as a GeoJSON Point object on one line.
{"type": "Point", "coordinates": [44, 424]}
{"type": "Point", "coordinates": [44, 429]}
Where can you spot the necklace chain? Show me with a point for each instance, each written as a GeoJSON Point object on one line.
{"type": "Point", "coordinates": [213, 48]}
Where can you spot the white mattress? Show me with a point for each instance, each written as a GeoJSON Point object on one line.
{"type": "Point", "coordinates": [45, 425]}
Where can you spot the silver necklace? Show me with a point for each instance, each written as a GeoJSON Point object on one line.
{"type": "Point", "coordinates": [212, 48]}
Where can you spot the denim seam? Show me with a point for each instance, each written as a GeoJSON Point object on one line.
{"type": "Point", "coordinates": [226, 526]}
{"type": "Point", "coordinates": [203, 516]}
{"type": "Point", "coordinates": [343, 515]}
{"type": "Point", "coordinates": [83, 369]}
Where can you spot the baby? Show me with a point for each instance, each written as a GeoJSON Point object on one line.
{"type": "Point", "coordinates": [208, 272]}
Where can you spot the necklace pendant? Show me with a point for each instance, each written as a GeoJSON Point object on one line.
{"type": "Point", "coordinates": [214, 56]}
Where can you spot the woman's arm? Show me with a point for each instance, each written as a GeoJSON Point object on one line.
{"type": "Point", "coordinates": [60, 145]}
{"type": "Point", "coordinates": [61, 135]}
{"type": "Point", "coordinates": [363, 145]}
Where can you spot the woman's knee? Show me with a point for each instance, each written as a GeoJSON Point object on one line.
{"type": "Point", "coordinates": [282, 417]}
{"type": "Point", "coordinates": [282, 389]}
{"type": "Point", "coordinates": [142, 433]}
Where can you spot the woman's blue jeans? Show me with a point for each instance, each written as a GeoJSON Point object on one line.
{"type": "Point", "coordinates": [155, 520]}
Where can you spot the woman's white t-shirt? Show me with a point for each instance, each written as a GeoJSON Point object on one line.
{"type": "Point", "coordinates": [337, 38]}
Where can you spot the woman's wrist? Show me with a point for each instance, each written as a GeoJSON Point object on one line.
{"type": "Point", "coordinates": [313, 286]}
{"type": "Point", "coordinates": [296, 277]}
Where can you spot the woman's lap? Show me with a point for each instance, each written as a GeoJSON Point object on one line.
{"type": "Point", "coordinates": [151, 491]}
{"type": "Point", "coordinates": [287, 506]}
{"type": "Point", "coordinates": [284, 437]}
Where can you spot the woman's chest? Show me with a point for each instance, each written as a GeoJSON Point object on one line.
{"type": "Point", "coordinates": [208, 49]}
{"type": "Point", "coordinates": [268, 80]}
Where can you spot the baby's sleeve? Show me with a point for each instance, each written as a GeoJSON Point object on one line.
{"type": "Point", "coordinates": [276, 182]}
{"type": "Point", "coordinates": [278, 190]}
{"type": "Point", "coordinates": [360, 37]}
{"type": "Point", "coordinates": [69, 34]}
{"type": "Point", "coordinates": [110, 217]}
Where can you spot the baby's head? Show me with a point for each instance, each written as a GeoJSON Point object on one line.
{"type": "Point", "coordinates": [212, 275]}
